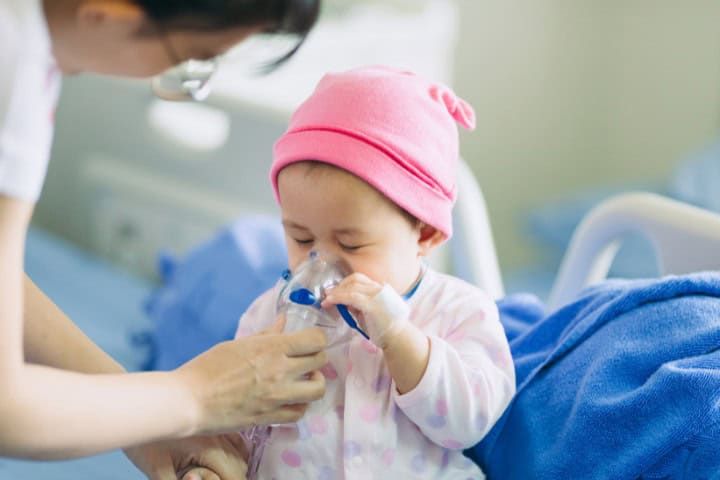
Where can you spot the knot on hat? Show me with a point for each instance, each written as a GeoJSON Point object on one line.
{"type": "Point", "coordinates": [458, 108]}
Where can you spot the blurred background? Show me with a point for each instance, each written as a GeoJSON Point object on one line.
{"type": "Point", "coordinates": [580, 96]}
{"type": "Point", "coordinates": [572, 97]}
{"type": "Point", "coordinates": [156, 227]}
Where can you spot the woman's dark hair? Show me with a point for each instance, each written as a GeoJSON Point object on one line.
{"type": "Point", "coordinates": [293, 17]}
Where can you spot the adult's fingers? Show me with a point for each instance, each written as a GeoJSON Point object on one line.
{"type": "Point", "coordinates": [224, 467]}
{"type": "Point", "coordinates": [306, 390]}
{"type": "Point", "coordinates": [284, 414]}
{"type": "Point", "coordinates": [229, 463]}
{"type": "Point", "coordinates": [299, 366]}
{"type": "Point", "coordinates": [306, 342]}
{"type": "Point", "coordinates": [276, 327]}
{"type": "Point", "coordinates": [164, 470]}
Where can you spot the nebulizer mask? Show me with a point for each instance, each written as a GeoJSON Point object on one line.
{"type": "Point", "coordinates": [300, 301]}
{"type": "Point", "coordinates": [301, 298]}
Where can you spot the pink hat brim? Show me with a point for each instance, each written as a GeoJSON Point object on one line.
{"type": "Point", "coordinates": [378, 168]}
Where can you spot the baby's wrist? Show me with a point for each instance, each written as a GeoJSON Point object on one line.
{"type": "Point", "coordinates": [397, 333]}
{"type": "Point", "coordinates": [389, 315]}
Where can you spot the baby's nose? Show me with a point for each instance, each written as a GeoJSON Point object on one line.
{"type": "Point", "coordinates": [333, 250]}
{"type": "Point", "coordinates": [327, 248]}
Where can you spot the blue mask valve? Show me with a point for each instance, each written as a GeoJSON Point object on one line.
{"type": "Point", "coordinates": [303, 296]}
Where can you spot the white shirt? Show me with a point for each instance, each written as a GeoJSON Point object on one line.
{"type": "Point", "coordinates": [29, 89]}
{"type": "Point", "coordinates": [364, 429]}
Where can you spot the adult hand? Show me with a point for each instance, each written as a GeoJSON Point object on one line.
{"type": "Point", "coordinates": [262, 379]}
{"type": "Point", "coordinates": [218, 457]}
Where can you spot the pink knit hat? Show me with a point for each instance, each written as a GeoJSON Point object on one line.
{"type": "Point", "coordinates": [393, 129]}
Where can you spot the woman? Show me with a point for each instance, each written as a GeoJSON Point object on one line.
{"type": "Point", "coordinates": [61, 395]}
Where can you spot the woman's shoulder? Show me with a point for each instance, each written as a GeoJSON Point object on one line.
{"type": "Point", "coordinates": [23, 29]}
{"type": "Point", "coordinates": [10, 43]}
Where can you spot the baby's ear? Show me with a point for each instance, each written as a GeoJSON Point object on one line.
{"type": "Point", "coordinates": [430, 237]}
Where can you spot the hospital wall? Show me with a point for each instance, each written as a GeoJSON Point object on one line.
{"type": "Point", "coordinates": [578, 93]}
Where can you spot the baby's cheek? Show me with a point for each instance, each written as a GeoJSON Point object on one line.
{"type": "Point", "coordinates": [373, 272]}
{"type": "Point", "coordinates": [295, 255]}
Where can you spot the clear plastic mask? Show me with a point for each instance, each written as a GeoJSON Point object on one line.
{"type": "Point", "coordinates": [301, 298]}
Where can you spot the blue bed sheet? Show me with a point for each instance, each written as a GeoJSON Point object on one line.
{"type": "Point", "coordinates": [623, 382]}
{"type": "Point", "coordinates": [107, 304]}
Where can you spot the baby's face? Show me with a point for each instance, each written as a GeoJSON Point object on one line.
{"type": "Point", "coordinates": [330, 210]}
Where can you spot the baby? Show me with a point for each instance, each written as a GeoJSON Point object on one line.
{"type": "Point", "coordinates": [366, 172]}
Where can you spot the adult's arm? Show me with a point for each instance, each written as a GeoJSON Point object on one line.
{"type": "Point", "coordinates": [46, 412]}
{"type": "Point", "coordinates": [52, 339]}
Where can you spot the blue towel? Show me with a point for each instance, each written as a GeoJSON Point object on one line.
{"type": "Point", "coordinates": [203, 295]}
{"type": "Point", "coordinates": [621, 384]}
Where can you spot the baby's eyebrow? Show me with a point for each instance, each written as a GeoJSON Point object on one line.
{"type": "Point", "coordinates": [291, 224]}
{"type": "Point", "coordinates": [348, 231]}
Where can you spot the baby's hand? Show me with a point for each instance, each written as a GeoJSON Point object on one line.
{"type": "Point", "coordinates": [382, 312]}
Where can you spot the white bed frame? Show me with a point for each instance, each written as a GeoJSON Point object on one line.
{"type": "Point", "coordinates": [685, 239]}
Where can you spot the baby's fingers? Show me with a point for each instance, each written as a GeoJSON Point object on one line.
{"type": "Point", "coordinates": [358, 298]}
{"type": "Point", "coordinates": [200, 473]}
{"type": "Point", "coordinates": [359, 282]}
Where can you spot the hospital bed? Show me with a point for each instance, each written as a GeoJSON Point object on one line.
{"type": "Point", "coordinates": [685, 239]}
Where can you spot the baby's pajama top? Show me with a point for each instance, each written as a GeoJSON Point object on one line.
{"type": "Point", "coordinates": [364, 429]}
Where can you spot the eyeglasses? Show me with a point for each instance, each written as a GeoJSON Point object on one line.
{"type": "Point", "coordinates": [191, 79]}
{"type": "Point", "coordinates": [188, 80]}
